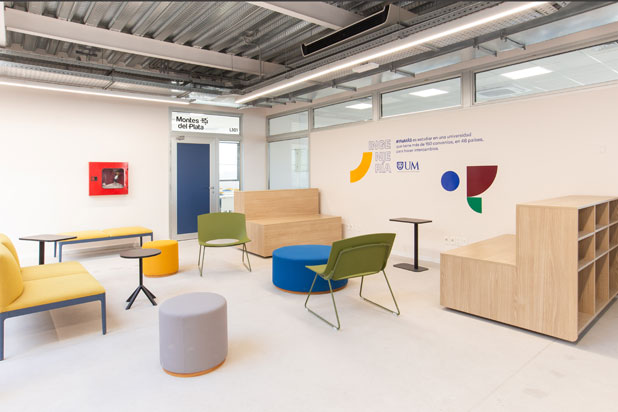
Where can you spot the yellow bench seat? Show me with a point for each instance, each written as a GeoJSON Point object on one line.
{"type": "Point", "coordinates": [40, 288]}
{"type": "Point", "coordinates": [83, 236]}
{"type": "Point", "coordinates": [56, 289]}
{"type": "Point", "coordinates": [51, 270]}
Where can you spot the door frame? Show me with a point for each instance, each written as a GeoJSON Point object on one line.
{"type": "Point", "coordinates": [206, 138]}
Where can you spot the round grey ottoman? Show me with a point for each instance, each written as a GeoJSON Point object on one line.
{"type": "Point", "coordinates": [193, 333]}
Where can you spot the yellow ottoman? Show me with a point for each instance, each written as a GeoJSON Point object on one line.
{"type": "Point", "coordinates": [164, 264]}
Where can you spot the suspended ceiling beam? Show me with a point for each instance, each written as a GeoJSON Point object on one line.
{"type": "Point", "coordinates": [315, 12]}
{"type": "Point", "coordinates": [49, 27]}
{"type": "Point", "coordinates": [2, 26]}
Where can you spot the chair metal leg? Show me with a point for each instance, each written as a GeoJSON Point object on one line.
{"type": "Point", "coordinates": [245, 252]}
{"type": "Point", "coordinates": [377, 304]}
{"type": "Point", "coordinates": [198, 256]}
{"type": "Point", "coordinates": [103, 315]}
{"type": "Point", "coordinates": [338, 326]}
{"type": "Point", "coordinates": [2, 318]}
{"type": "Point", "coordinates": [202, 266]}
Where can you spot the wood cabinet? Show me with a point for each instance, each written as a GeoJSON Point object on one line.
{"type": "Point", "coordinates": [554, 276]}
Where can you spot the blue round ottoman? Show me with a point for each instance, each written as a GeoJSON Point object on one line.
{"type": "Point", "coordinates": [291, 275]}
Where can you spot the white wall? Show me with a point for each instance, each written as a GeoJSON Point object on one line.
{"type": "Point", "coordinates": [544, 147]}
{"type": "Point", "coordinates": [47, 140]}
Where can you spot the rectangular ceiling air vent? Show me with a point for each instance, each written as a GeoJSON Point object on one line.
{"type": "Point", "coordinates": [387, 16]}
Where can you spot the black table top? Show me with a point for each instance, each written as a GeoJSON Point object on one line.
{"type": "Point", "coordinates": [139, 253]}
{"type": "Point", "coordinates": [48, 238]}
{"type": "Point", "coordinates": [409, 220]}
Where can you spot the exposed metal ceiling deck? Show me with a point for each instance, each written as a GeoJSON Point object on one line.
{"type": "Point", "coordinates": [245, 30]}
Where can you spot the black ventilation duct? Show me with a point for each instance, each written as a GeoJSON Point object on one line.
{"type": "Point", "coordinates": [387, 16]}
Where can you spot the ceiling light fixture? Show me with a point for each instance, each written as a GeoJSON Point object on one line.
{"type": "Point", "coordinates": [365, 67]}
{"type": "Point", "coordinates": [88, 92]}
{"type": "Point", "coordinates": [396, 49]}
{"type": "Point", "coordinates": [360, 106]}
{"type": "Point", "coordinates": [529, 72]}
{"type": "Point", "coordinates": [429, 92]}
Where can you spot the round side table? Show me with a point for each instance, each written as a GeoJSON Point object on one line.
{"type": "Point", "coordinates": [140, 254]}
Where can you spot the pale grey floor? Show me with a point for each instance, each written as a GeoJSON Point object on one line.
{"type": "Point", "coordinates": [281, 358]}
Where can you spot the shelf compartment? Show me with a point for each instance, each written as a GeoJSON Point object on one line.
{"type": "Point", "coordinates": [613, 211]}
{"type": "Point", "coordinates": [585, 251]}
{"type": "Point", "coordinates": [586, 221]}
{"type": "Point", "coordinates": [602, 215]}
{"type": "Point", "coordinates": [601, 241]}
{"type": "Point", "coordinates": [601, 282]}
{"type": "Point", "coordinates": [586, 293]}
{"type": "Point", "coordinates": [613, 272]}
{"type": "Point", "coordinates": [613, 236]}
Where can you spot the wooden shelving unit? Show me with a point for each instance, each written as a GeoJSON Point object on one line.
{"type": "Point", "coordinates": [561, 274]}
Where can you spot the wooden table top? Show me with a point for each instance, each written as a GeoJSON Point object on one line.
{"type": "Point", "coordinates": [409, 220]}
{"type": "Point", "coordinates": [48, 238]}
{"type": "Point", "coordinates": [139, 253]}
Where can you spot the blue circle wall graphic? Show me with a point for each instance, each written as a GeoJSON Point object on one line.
{"type": "Point", "coordinates": [450, 181]}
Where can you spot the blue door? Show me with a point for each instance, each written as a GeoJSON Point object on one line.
{"type": "Point", "coordinates": [192, 185]}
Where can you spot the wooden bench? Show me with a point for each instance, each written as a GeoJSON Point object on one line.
{"type": "Point", "coordinates": [86, 236]}
{"type": "Point", "coordinates": [277, 218]}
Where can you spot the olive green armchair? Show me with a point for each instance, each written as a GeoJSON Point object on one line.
{"type": "Point", "coordinates": [355, 257]}
{"type": "Point", "coordinates": [216, 226]}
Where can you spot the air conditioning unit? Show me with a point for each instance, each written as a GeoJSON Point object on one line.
{"type": "Point", "coordinates": [387, 16]}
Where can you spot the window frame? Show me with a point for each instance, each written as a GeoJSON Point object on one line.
{"type": "Point", "coordinates": [459, 76]}
{"type": "Point", "coordinates": [305, 131]}
{"type": "Point", "coordinates": [342, 101]}
{"type": "Point", "coordinates": [515, 62]}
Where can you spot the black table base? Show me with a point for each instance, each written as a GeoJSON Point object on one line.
{"type": "Point", "coordinates": [409, 266]}
{"type": "Point", "coordinates": [151, 297]}
{"type": "Point", "coordinates": [140, 288]}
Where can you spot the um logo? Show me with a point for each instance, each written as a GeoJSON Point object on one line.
{"type": "Point", "coordinates": [408, 166]}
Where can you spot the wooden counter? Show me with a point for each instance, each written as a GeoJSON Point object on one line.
{"type": "Point", "coordinates": [554, 276]}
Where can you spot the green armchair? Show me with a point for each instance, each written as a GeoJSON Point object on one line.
{"type": "Point", "coordinates": [349, 258]}
{"type": "Point", "coordinates": [216, 226]}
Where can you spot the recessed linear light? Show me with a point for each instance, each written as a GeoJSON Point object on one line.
{"type": "Point", "coordinates": [365, 67]}
{"type": "Point", "coordinates": [360, 106]}
{"type": "Point", "coordinates": [529, 72]}
{"type": "Point", "coordinates": [396, 49]}
{"type": "Point", "coordinates": [92, 93]}
{"type": "Point", "coordinates": [429, 92]}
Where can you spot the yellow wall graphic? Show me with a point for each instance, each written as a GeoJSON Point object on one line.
{"type": "Point", "coordinates": [362, 169]}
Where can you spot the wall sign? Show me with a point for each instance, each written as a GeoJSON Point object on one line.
{"type": "Point", "coordinates": [205, 123]}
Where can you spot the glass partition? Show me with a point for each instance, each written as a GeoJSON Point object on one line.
{"type": "Point", "coordinates": [583, 67]}
{"type": "Point", "coordinates": [432, 96]}
{"type": "Point", "coordinates": [229, 174]}
{"type": "Point", "coordinates": [289, 164]}
{"type": "Point", "coordinates": [290, 123]}
{"type": "Point", "coordinates": [357, 110]}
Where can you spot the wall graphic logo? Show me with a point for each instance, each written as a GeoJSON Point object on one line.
{"type": "Point", "coordinates": [362, 169]}
{"type": "Point", "coordinates": [479, 179]}
{"type": "Point", "coordinates": [380, 153]}
{"type": "Point", "coordinates": [408, 166]}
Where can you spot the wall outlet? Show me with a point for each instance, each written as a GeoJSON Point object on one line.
{"type": "Point", "coordinates": [455, 241]}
